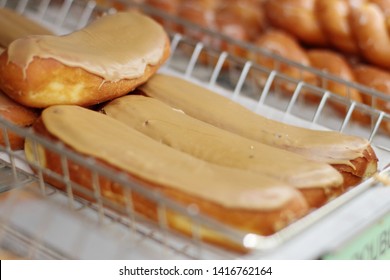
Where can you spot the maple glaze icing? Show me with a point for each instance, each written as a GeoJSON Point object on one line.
{"type": "Point", "coordinates": [100, 136]}
{"type": "Point", "coordinates": [323, 146]}
{"type": "Point", "coordinates": [180, 131]}
{"type": "Point", "coordinates": [114, 47]}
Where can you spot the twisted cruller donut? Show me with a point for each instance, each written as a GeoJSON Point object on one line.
{"type": "Point", "coordinates": [351, 26]}
{"type": "Point", "coordinates": [243, 200]}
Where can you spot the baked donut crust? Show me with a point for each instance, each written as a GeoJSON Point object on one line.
{"type": "Point", "coordinates": [264, 220]}
{"type": "Point", "coordinates": [18, 115]}
{"type": "Point", "coordinates": [39, 71]}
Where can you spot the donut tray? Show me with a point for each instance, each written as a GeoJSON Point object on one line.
{"type": "Point", "coordinates": [40, 222]}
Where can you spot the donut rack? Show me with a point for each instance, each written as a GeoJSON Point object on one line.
{"type": "Point", "coordinates": [40, 222]}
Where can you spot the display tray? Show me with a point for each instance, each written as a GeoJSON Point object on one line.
{"type": "Point", "coordinates": [38, 221]}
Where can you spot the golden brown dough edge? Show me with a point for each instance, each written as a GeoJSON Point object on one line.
{"type": "Point", "coordinates": [49, 82]}
{"type": "Point", "coordinates": [263, 223]}
{"type": "Point", "coordinates": [18, 115]}
{"type": "Point", "coordinates": [363, 167]}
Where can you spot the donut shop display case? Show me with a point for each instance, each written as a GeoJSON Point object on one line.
{"type": "Point", "coordinates": [39, 221]}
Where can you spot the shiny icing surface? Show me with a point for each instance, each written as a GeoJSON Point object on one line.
{"type": "Point", "coordinates": [200, 139]}
{"type": "Point", "coordinates": [323, 146]}
{"type": "Point", "coordinates": [114, 47]}
{"type": "Point", "coordinates": [95, 134]}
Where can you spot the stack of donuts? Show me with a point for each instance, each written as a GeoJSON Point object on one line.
{"type": "Point", "coordinates": [229, 165]}
{"type": "Point", "coordinates": [348, 39]}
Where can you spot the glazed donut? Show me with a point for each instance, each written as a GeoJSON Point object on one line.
{"type": "Point", "coordinates": [107, 59]}
{"type": "Point", "coordinates": [352, 156]}
{"type": "Point", "coordinates": [286, 46]}
{"type": "Point", "coordinates": [282, 44]}
{"type": "Point", "coordinates": [358, 27]}
{"type": "Point", "coordinates": [336, 65]}
{"type": "Point", "coordinates": [240, 20]}
{"type": "Point", "coordinates": [298, 18]}
{"type": "Point", "coordinates": [371, 31]}
{"type": "Point", "coordinates": [333, 17]}
{"type": "Point", "coordinates": [240, 199]}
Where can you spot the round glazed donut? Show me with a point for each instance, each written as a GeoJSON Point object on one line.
{"type": "Point", "coordinates": [371, 30]}
{"type": "Point", "coordinates": [39, 71]}
{"type": "Point", "coordinates": [333, 17]}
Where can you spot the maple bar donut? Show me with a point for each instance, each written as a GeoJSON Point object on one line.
{"type": "Point", "coordinates": [106, 59]}
{"type": "Point", "coordinates": [352, 156]}
{"type": "Point", "coordinates": [240, 199]}
{"type": "Point", "coordinates": [318, 182]}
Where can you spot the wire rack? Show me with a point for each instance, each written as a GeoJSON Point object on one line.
{"type": "Point", "coordinates": [38, 221]}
